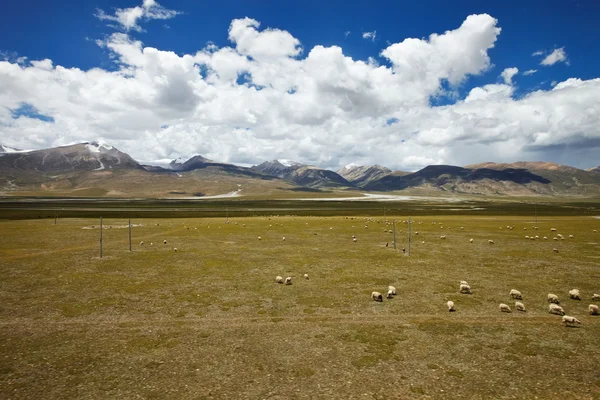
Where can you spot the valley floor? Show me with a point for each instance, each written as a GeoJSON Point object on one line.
{"type": "Point", "coordinates": [209, 321]}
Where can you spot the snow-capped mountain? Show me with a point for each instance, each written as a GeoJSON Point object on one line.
{"type": "Point", "coordinates": [8, 150]}
{"type": "Point", "coordinates": [304, 175]}
{"type": "Point", "coordinates": [87, 156]}
{"type": "Point", "coordinates": [360, 175]}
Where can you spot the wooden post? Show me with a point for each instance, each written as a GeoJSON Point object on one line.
{"type": "Point", "coordinates": [394, 229]}
{"type": "Point", "coordinates": [409, 224]}
{"type": "Point", "coordinates": [384, 217]}
{"type": "Point", "coordinates": [129, 234]}
{"type": "Point", "coordinates": [100, 237]}
{"type": "Point", "coordinates": [55, 216]}
{"type": "Point", "coordinates": [227, 214]}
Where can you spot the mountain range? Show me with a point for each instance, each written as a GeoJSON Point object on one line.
{"type": "Point", "coordinates": [96, 169]}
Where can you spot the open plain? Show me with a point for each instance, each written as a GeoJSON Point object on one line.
{"type": "Point", "coordinates": [209, 321]}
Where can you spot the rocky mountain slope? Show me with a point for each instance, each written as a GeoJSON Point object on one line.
{"type": "Point", "coordinates": [362, 175]}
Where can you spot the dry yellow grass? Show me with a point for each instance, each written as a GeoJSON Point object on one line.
{"type": "Point", "coordinates": [209, 321]}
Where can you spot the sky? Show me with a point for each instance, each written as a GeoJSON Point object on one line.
{"type": "Point", "coordinates": [327, 83]}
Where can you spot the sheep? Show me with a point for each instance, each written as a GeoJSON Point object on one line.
{"type": "Point", "coordinates": [555, 309]}
{"type": "Point", "coordinates": [515, 294]}
{"type": "Point", "coordinates": [504, 308]}
{"type": "Point", "coordinates": [175, 249]}
{"type": "Point", "coordinates": [464, 283]}
{"type": "Point", "coordinates": [392, 289]}
{"type": "Point", "coordinates": [596, 296]}
{"type": "Point", "coordinates": [545, 238]}
{"type": "Point", "coordinates": [595, 230]}
{"type": "Point", "coordinates": [520, 306]}
{"type": "Point", "coordinates": [465, 289]}
{"type": "Point", "coordinates": [142, 243]}
{"type": "Point", "coordinates": [526, 237]}
{"type": "Point", "coordinates": [593, 309]}
{"type": "Point", "coordinates": [490, 241]}
{"type": "Point", "coordinates": [164, 242]}
{"type": "Point", "coordinates": [571, 236]}
{"type": "Point", "coordinates": [570, 321]}
{"type": "Point", "coordinates": [574, 294]}
{"type": "Point", "coordinates": [305, 276]}
{"type": "Point", "coordinates": [552, 229]}
{"type": "Point", "coordinates": [279, 279]}
{"type": "Point", "coordinates": [288, 280]}
{"type": "Point", "coordinates": [555, 250]}
{"type": "Point", "coordinates": [259, 238]}
{"type": "Point", "coordinates": [443, 237]}
{"type": "Point", "coordinates": [471, 240]}
{"type": "Point", "coordinates": [554, 238]}
{"type": "Point", "coordinates": [283, 239]}
{"type": "Point", "coordinates": [354, 239]}
{"type": "Point", "coordinates": [552, 298]}
{"type": "Point", "coordinates": [450, 305]}
{"type": "Point", "coordinates": [376, 296]}
{"type": "Point", "coordinates": [151, 243]}
{"type": "Point", "coordinates": [390, 294]}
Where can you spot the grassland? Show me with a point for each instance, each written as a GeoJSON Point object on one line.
{"type": "Point", "coordinates": [208, 321]}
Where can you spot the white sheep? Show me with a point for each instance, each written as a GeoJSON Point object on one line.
{"type": "Point", "coordinates": [504, 308]}
{"type": "Point", "coordinates": [464, 283]}
{"type": "Point", "coordinates": [259, 238]}
{"type": "Point", "coordinates": [354, 239]}
{"type": "Point", "coordinates": [555, 309]}
{"type": "Point", "coordinates": [443, 237]}
{"type": "Point", "coordinates": [571, 236]}
{"type": "Point", "coordinates": [515, 294]}
{"type": "Point", "coordinates": [305, 276]}
{"type": "Point", "coordinates": [466, 289]}
{"type": "Point", "coordinates": [376, 296]}
{"type": "Point", "coordinates": [552, 298]}
{"type": "Point", "coordinates": [142, 243]}
{"type": "Point", "coordinates": [593, 309]}
{"type": "Point", "coordinates": [545, 238]}
{"type": "Point", "coordinates": [283, 239]}
{"type": "Point", "coordinates": [574, 294]}
{"type": "Point", "coordinates": [279, 279]}
{"type": "Point", "coordinates": [390, 294]}
{"type": "Point", "coordinates": [570, 321]}
{"type": "Point", "coordinates": [552, 229]}
{"type": "Point", "coordinates": [450, 305]}
{"type": "Point", "coordinates": [596, 296]}
{"type": "Point", "coordinates": [555, 250]}
{"type": "Point", "coordinates": [288, 280]}
{"type": "Point", "coordinates": [175, 249]}
{"type": "Point", "coordinates": [151, 243]}
{"type": "Point", "coordinates": [490, 241]}
{"type": "Point", "coordinates": [471, 240]}
{"type": "Point", "coordinates": [519, 306]}
{"type": "Point", "coordinates": [392, 289]}
{"type": "Point", "coordinates": [164, 242]}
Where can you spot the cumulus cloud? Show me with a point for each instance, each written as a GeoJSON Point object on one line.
{"type": "Point", "coordinates": [266, 97]}
{"type": "Point", "coordinates": [508, 74]}
{"type": "Point", "coordinates": [370, 35]}
{"type": "Point", "coordinates": [127, 18]}
{"type": "Point", "coordinates": [530, 72]}
{"type": "Point", "coordinates": [558, 55]}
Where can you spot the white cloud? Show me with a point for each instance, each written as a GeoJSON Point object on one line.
{"type": "Point", "coordinates": [264, 98]}
{"type": "Point", "coordinates": [346, 34]}
{"type": "Point", "coordinates": [370, 35]}
{"type": "Point", "coordinates": [127, 18]}
{"type": "Point", "coordinates": [508, 74]}
{"type": "Point", "coordinates": [538, 53]}
{"type": "Point", "coordinates": [530, 72]}
{"type": "Point", "coordinates": [558, 55]}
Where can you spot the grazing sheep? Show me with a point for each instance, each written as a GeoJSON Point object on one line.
{"type": "Point", "coordinates": [283, 239]}
{"type": "Point", "coordinates": [142, 243]}
{"type": "Point", "coordinates": [305, 276]}
{"type": "Point", "coordinates": [596, 296]}
{"type": "Point", "coordinates": [471, 240]}
{"type": "Point", "coordinates": [490, 242]}
{"type": "Point", "coordinates": [545, 238]}
{"type": "Point", "coordinates": [555, 309]}
{"type": "Point", "coordinates": [450, 305]}
{"type": "Point", "coordinates": [465, 289]}
{"type": "Point", "coordinates": [574, 294]}
{"type": "Point", "coordinates": [376, 296]}
{"type": "Point", "coordinates": [570, 321]}
{"type": "Point", "coordinates": [443, 237]}
{"type": "Point", "coordinates": [552, 298]}
{"type": "Point", "coordinates": [504, 308]}
{"type": "Point", "coordinates": [571, 236]}
{"type": "Point", "coordinates": [279, 279]}
{"type": "Point", "coordinates": [354, 239]}
{"type": "Point", "coordinates": [519, 306]}
{"type": "Point", "coordinates": [392, 289]}
{"type": "Point", "coordinates": [593, 309]}
{"type": "Point", "coordinates": [515, 294]}
{"type": "Point", "coordinates": [151, 243]}
{"type": "Point", "coordinates": [526, 237]}
{"type": "Point", "coordinates": [164, 242]}
{"type": "Point", "coordinates": [552, 229]}
{"type": "Point", "coordinates": [288, 280]}
{"type": "Point", "coordinates": [555, 250]}
{"type": "Point", "coordinates": [390, 294]}
{"type": "Point", "coordinates": [259, 238]}
{"type": "Point", "coordinates": [175, 249]}
{"type": "Point", "coordinates": [464, 283]}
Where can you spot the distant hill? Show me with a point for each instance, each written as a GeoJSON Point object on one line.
{"type": "Point", "coordinates": [303, 175]}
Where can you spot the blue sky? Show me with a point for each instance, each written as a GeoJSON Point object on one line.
{"type": "Point", "coordinates": [69, 33]}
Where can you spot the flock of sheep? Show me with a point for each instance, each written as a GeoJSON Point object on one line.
{"type": "Point", "coordinates": [553, 307]}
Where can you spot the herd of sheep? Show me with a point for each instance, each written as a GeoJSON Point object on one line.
{"type": "Point", "coordinates": [553, 307]}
